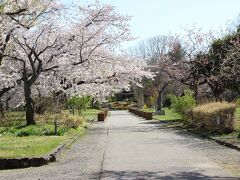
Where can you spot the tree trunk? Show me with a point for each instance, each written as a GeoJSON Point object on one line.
{"type": "Point", "coordinates": [7, 103]}
{"type": "Point", "coordinates": [217, 95]}
{"type": "Point", "coordinates": [92, 103]}
{"type": "Point", "coordinates": [195, 90]}
{"type": "Point", "coordinates": [159, 101]}
{"type": "Point", "coordinates": [138, 92]}
{"type": "Point", "coordinates": [30, 111]}
{"type": "Point", "coordinates": [159, 110]}
{"type": "Point", "coordinates": [1, 110]}
{"type": "Point", "coordinates": [216, 90]}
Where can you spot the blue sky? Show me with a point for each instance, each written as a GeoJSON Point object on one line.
{"type": "Point", "coordinates": [159, 17]}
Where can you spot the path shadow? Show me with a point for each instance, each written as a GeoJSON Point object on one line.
{"type": "Point", "coordinates": [180, 135]}
{"type": "Point", "coordinates": [161, 175]}
{"type": "Point", "coordinates": [173, 124]}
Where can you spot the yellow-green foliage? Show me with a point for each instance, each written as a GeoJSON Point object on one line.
{"type": "Point", "coordinates": [183, 104]}
{"type": "Point", "coordinates": [69, 120]}
{"type": "Point", "coordinates": [215, 115]}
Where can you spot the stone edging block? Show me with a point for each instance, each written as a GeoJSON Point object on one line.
{"type": "Point", "coordinates": [15, 163]}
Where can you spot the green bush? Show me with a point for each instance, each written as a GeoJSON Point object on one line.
{"type": "Point", "coordinates": [36, 130]}
{"type": "Point", "coordinates": [184, 104]}
{"type": "Point", "coordinates": [29, 131]}
{"type": "Point", "coordinates": [79, 103]}
{"type": "Point", "coordinates": [217, 116]}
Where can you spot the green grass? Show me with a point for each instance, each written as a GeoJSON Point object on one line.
{"type": "Point", "coordinates": [32, 146]}
{"type": "Point", "coordinates": [237, 112]}
{"type": "Point", "coordinates": [237, 122]}
{"type": "Point", "coordinates": [33, 130]}
{"type": "Point", "coordinates": [29, 147]}
{"type": "Point", "coordinates": [170, 114]}
{"type": "Point", "coordinates": [17, 141]}
{"type": "Point", "coordinates": [90, 113]}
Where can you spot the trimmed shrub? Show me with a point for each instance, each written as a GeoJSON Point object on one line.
{"type": "Point", "coordinates": [183, 104]}
{"type": "Point", "coordinates": [217, 116]}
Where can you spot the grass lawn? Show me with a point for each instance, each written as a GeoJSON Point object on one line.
{"type": "Point", "coordinates": [17, 141]}
{"type": "Point", "coordinates": [170, 115]}
{"type": "Point", "coordinates": [31, 146]}
{"type": "Point", "coordinates": [91, 113]}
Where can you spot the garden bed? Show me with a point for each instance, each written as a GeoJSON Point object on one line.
{"type": "Point", "coordinates": [39, 144]}
{"type": "Point", "coordinates": [33, 150]}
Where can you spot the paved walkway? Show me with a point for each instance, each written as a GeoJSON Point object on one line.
{"type": "Point", "coordinates": [128, 147]}
{"type": "Point", "coordinates": [138, 149]}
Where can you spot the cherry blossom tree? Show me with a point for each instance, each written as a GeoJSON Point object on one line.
{"type": "Point", "coordinates": [31, 54]}
{"type": "Point", "coordinates": [161, 53]}
{"type": "Point", "coordinates": [82, 59]}
{"type": "Point", "coordinates": [17, 15]}
{"type": "Point", "coordinates": [94, 53]}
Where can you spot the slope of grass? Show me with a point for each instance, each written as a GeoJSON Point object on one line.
{"type": "Point", "coordinates": [32, 146]}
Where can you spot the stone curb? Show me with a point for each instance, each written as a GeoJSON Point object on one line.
{"type": "Point", "coordinates": [220, 142]}
{"type": "Point", "coordinates": [16, 163]}
{"type": "Point", "coordinates": [226, 144]}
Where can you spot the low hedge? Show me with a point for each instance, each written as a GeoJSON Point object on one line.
{"type": "Point", "coordinates": [217, 116]}
{"type": "Point", "coordinates": [146, 115]}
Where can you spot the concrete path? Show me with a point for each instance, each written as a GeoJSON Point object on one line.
{"type": "Point", "coordinates": [137, 149]}
{"type": "Point", "coordinates": [128, 147]}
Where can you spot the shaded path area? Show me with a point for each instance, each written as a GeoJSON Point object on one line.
{"type": "Point", "coordinates": [128, 147]}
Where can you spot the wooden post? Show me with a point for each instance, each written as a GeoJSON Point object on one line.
{"type": "Point", "coordinates": [55, 127]}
